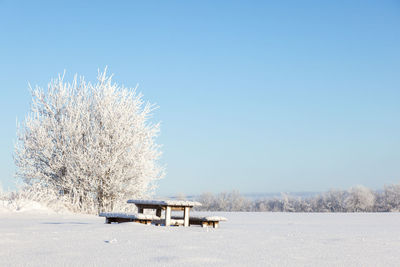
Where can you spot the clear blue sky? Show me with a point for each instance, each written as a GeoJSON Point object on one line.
{"type": "Point", "coordinates": [255, 96]}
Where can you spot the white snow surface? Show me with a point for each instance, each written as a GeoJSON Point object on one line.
{"type": "Point", "coordinates": [210, 218]}
{"type": "Point", "coordinates": [246, 239]}
{"type": "Point", "coordinates": [205, 218]}
{"type": "Point", "coordinates": [169, 202]}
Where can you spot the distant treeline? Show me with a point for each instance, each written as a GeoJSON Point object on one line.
{"type": "Point", "coordinates": [356, 199]}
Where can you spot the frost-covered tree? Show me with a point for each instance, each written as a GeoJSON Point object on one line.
{"type": "Point", "coordinates": [357, 199]}
{"type": "Point", "coordinates": [331, 201]}
{"type": "Point", "coordinates": [90, 142]}
{"type": "Point", "coordinates": [225, 201]}
{"type": "Point", "coordinates": [360, 198]}
{"type": "Point", "coordinates": [207, 200]}
{"type": "Point", "coordinates": [237, 202]}
{"type": "Point", "coordinates": [335, 200]}
{"type": "Point", "coordinates": [391, 197]}
{"type": "Point", "coordinates": [287, 203]}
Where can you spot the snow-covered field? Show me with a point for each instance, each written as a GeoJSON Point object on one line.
{"type": "Point", "coordinates": [247, 239]}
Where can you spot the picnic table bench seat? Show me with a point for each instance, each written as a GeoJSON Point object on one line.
{"type": "Point", "coordinates": [204, 221]}
{"type": "Point", "coordinates": [128, 217]}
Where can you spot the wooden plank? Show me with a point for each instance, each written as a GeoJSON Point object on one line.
{"type": "Point", "coordinates": [158, 212]}
{"type": "Point", "coordinates": [150, 207]}
{"type": "Point", "coordinates": [186, 217]}
{"type": "Point", "coordinates": [118, 220]}
{"type": "Point", "coordinates": [122, 220]}
{"type": "Point", "coordinates": [178, 208]}
{"type": "Point", "coordinates": [168, 216]}
{"type": "Point", "coordinates": [176, 222]}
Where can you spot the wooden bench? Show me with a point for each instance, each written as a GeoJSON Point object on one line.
{"type": "Point", "coordinates": [203, 221]}
{"type": "Point", "coordinates": [128, 217]}
{"type": "Point", "coordinates": [206, 221]}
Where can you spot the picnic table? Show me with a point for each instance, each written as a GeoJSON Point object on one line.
{"type": "Point", "coordinates": [168, 206]}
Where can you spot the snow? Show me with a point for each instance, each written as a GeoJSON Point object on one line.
{"type": "Point", "coordinates": [26, 206]}
{"type": "Point", "coordinates": [211, 218]}
{"type": "Point", "coordinates": [246, 239]}
{"type": "Point", "coordinates": [165, 202]}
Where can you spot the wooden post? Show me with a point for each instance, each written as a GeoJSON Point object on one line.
{"type": "Point", "coordinates": [186, 217]}
{"type": "Point", "coordinates": [158, 213]}
{"type": "Point", "coordinates": [168, 216]}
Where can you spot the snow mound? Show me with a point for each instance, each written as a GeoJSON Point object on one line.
{"type": "Point", "coordinates": [25, 206]}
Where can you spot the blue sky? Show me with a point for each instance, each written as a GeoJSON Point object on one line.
{"type": "Point", "coordinates": [255, 96]}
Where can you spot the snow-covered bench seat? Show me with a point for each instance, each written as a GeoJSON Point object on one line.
{"type": "Point", "coordinates": [128, 217]}
{"type": "Point", "coordinates": [204, 221]}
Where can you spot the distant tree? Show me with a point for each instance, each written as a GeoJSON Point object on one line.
{"type": "Point", "coordinates": [381, 204]}
{"type": "Point", "coordinates": [287, 203]}
{"type": "Point", "coordinates": [335, 200]}
{"type": "Point", "coordinates": [90, 142]}
{"type": "Point", "coordinates": [261, 205]}
{"type": "Point", "coordinates": [391, 197]}
{"type": "Point", "coordinates": [301, 205]}
{"type": "Point", "coordinates": [207, 200]}
{"type": "Point", "coordinates": [331, 201]}
{"type": "Point", "coordinates": [318, 204]}
{"type": "Point", "coordinates": [357, 199]}
{"type": "Point", "coordinates": [360, 198]}
{"type": "Point", "coordinates": [225, 201]}
{"type": "Point", "coordinates": [237, 202]}
{"type": "Point", "coordinates": [222, 202]}
{"type": "Point", "coordinates": [276, 205]}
